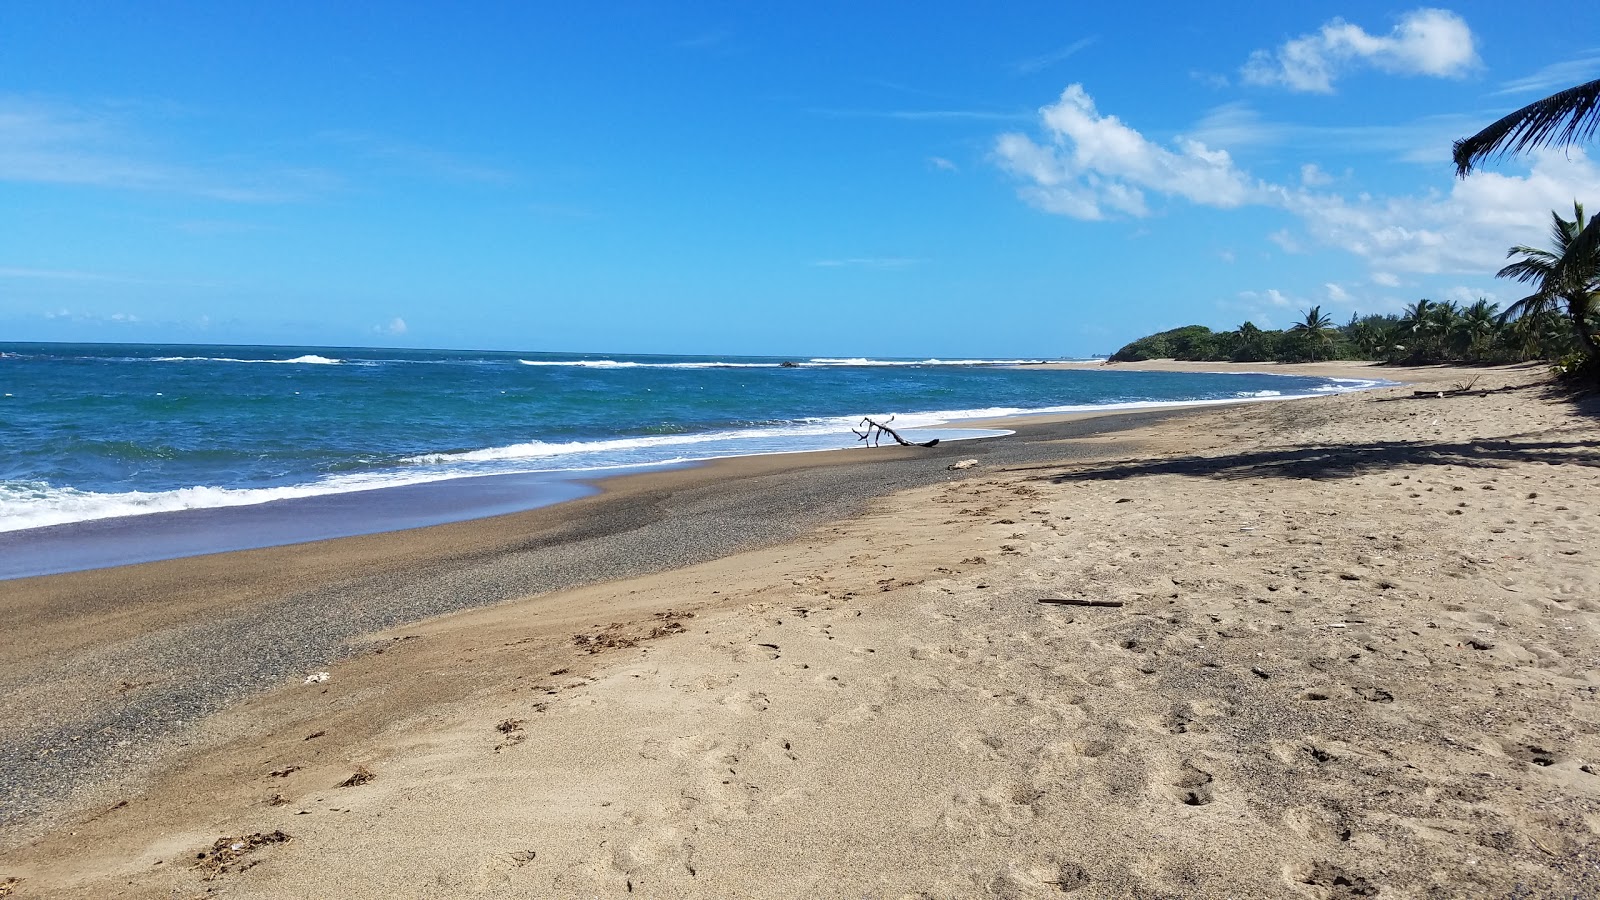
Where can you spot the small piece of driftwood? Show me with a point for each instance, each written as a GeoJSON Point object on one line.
{"type": "Point", "coordinates": [874, 432]}
{"type": "Point", "coordinates": [1074, 601]}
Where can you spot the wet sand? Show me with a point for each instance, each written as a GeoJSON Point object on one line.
{"type": "Point", "coordinates": [1353, 656]}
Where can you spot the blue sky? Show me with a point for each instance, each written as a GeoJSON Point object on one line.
{"type": "Point", "coordinates": [989, 180]}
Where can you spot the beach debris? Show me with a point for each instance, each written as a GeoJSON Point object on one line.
{"type": "Point", "coordinates": [512, 729]}
{"type": "Point", "coordinates": [226, 852]}
{"type": "Point", "coordinates": [284, 772]}
{"type": "Point", "coordinates": [616, 636]}
{"type": "Point", "coordinates": [361, 776]}
{"type": "Point", "coordinates": [8, 884]}
{"type": "Point", "coordinates": [964, 464]}
{"type": "Point", "coordinates": [875, 430]}
{"type": "Point", "coordinates": [1079, 601]}
{"type": "Point", "coordinates": [317, 678]}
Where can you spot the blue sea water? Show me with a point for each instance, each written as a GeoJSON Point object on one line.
{"type": "Point", "coordinates": [93, 431]}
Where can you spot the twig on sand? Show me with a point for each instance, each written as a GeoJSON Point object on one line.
{"type": "Point", "coordinates": [1075, 601]}
{"type": "Point", "coordinates": [874, 432]}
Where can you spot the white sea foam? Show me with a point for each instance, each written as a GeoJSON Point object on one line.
{"type": "Point", "coordinates": [626, 364]}
{"type": "Point", "coordinates": [310, 359]}
{"type": "Point", "coordinates": [36, 504]}
{"type": "Point", "coordinates": [864, 361]}
{"type": "Point", "coordinates": [810, 363]}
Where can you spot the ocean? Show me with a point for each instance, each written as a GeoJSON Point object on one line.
{"type": "Point", "coordinates": [100, 431]}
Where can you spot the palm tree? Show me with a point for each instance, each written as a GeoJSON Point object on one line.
{"type": "Point", "coordinates": [1567, 275]}
{"type": "Point", "coordinates": [1559, 120]}
{"type": "Point", "coordinates": [1478, 326]}
{"type": "Point", "coordinates": [1442, 327]}
{"type": "Point", "coordinates": [1416, 323]}
{"type": "Point", "coordinates": [1313, 332]}
{"type": "Point", "coordinates": [1254, 345]}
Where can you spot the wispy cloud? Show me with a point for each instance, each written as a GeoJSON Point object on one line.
{"type": "Point", "coordinates": [1040, 63]}
{"type": "Point", "coordinates": [416, 159]}
{"type": "Point", "coordinates": [52, 143]}
{"type": "Point", "coordinates": [1554, 77]}
{"type": "Point", "coordinates": [1425, 141]}
{"type": "Point", "coordinates": [54, 274]}
{"type": "Point", "coordinates": [942, 164]}
{"type": "Point", "coordinates": [116, 318]}
{"type": "Point", "coordinates": [923, 115]}
{"type": "Point", "coordinates": [23, 273]}
{"type": "Point", "coordinates": [869, 262]}
{"type": "Point", "coordinates": [393, 328]}
{"type": "Point", "coordinates": [1433, 42]}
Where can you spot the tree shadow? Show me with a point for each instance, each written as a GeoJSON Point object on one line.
{"type": "Point", "coordinates": [1335, 462]}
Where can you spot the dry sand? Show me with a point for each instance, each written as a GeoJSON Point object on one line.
{"type": "Point", "coordinates": [1356, 656]}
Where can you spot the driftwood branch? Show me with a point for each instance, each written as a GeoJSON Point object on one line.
{"type": "Point", "coordinates": [1438, 395]}
{"type": "Point", "coordinates": [873, 431]}
{"type": "Point", "coordinates": [1074, 601]}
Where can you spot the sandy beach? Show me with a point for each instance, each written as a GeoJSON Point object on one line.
{"type": "Point", "coordinates": [1325, 648]}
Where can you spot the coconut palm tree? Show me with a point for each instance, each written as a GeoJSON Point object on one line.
{"type": "Point", "coordinates": [1559, 120]}
{"type": "Point", "coordinates": [1477, 326]}
{"type": "Point", "coordinates": [1416, 324]}
{"type": "Point", "coordinates": [1568, 275]}
{"type": "Point", "coordinates": [1314, 335]}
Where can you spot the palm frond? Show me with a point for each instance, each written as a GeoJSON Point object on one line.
{"type": "Point", "coordinates": [1531, 305]}
{"type": "Point", "coordinates": [1558, 120]}
{"type": "Point", "coordinates": [1528, 270]}
{"type": "Point", "coordinates": [1579, 267]}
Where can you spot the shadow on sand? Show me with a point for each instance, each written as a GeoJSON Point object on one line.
{"type": "Point", "coordinates": [1348, 460]}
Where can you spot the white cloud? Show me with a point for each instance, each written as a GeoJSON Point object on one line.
{"type": "Point", "coordinates": [942, 164]}
{"type": "Point", "coordinates": [1336, 294]}
{"type": "Point", "coordinates": [1313, 176]}
{"type": "Point", "coordinates": [1466, 296]}
{"type": "Point", "coordinates": [1464, 231]}
{"type": "Point", "coordinates": [394, 327]}
{"type": "Point", "coordinates": [1385, 279]}
{"type": "Point", "coordinates": [1096, 164]}
{"type": "Point", "coordinates": [1433, 42]}
{"type": "Point", "coordinates": [1286, 241]}
{"type": "Point", "coordinates": [119, 318]}
{"type": "Point", "coordinates": [1227, 256]}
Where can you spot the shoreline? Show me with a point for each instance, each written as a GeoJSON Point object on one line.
{"type": "Point", "coordinates": [897, 598]}
{"type": "Point", "coordinates": [264, 614]}
{"type": "Point", "coordinates": [128, 540]}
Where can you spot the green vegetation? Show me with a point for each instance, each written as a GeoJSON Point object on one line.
{"type": "Point", "coordinates": [1425, 332]}
{"type": "Point", "coordinates": [1558, 322]}
{"type": "Point", "coordinates": [1567, 277]}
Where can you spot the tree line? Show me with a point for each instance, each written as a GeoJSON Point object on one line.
{"type": "Point", "coordinates": [1426, 332]}
{"type": "Point", "coordinates": [1559, 321]}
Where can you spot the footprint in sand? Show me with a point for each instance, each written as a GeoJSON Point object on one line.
{"type": "Point", "coordinates": [1326, 880]}
{"type": "Point", "coordinates": [1193, 785]}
